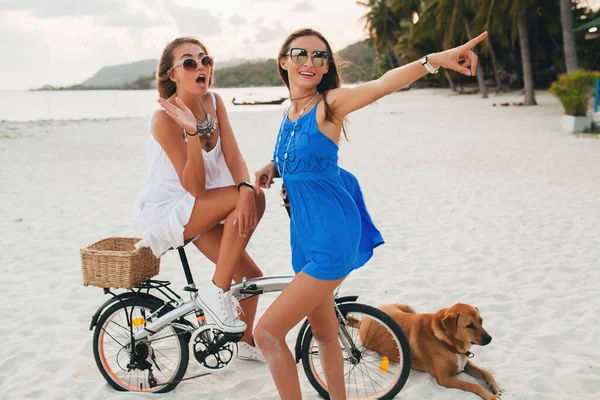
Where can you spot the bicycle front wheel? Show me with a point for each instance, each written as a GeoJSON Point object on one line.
{"type": "Point", "coordinates": [154, 365]}
{"type": "Point", "coordinates": [375, 350]}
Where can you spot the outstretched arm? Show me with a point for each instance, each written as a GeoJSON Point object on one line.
{"type": "Point", "coordinates": [345, 100]}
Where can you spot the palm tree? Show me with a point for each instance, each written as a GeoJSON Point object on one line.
{"type": "Point", "coordinates": [526, 55]}
{"type": "Point", "coordinates": [566, 17]}
{"type": "Point", "coordinates": [405, 9]}
{"type": "Point", "coordinates": [480, 75]}
{"type": "Point", "coordinates": [513, 16]}
{"type": "Point", "coordinates": [454, 18]}
{"type": "Point", "coordinates": [498, 26]}
{"type": "Point", "coordinates": [419, 39]}
{"type": "Point", "coordinates": [383, 25]}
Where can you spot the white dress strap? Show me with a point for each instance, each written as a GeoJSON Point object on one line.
{"type": "Point", "coordinates": [214, 100]}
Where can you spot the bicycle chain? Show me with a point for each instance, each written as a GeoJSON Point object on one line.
{"type": "Point", "coordinates": [183, 379]}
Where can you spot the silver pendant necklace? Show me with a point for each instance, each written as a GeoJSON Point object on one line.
{"type": "Point", "coordinates": [208, 127]}
{"type": "Point", "coordinates": [283, 192]}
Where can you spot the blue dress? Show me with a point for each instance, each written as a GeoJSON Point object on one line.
{"type": "Point", "coordinates": [331, 231]}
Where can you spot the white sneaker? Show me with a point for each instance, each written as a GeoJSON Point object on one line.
{"type": "Point", "coordinates": [221, 307]}
{"type": "Point", "coordinates": [250, 353]}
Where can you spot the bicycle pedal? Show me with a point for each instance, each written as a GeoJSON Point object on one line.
{"type": "Point", "coordinates": [252, 291]}
{"type": "Point", "coordinates": [234, 337]}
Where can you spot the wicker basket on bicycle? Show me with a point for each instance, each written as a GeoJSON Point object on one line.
{"type": "Point", "coordinates": [114, 262]}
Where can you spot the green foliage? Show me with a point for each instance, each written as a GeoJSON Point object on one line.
{"type": "Point", "coordinates": [358, 62]}
{"type": "Point", "coordinates": [574, 91]}
{"type": "Point", "coordinates": [141, 83]}
{"type": "Point", "coordinates": [262, 73]}
{"type": "Point", "coordinates": [442, 23]}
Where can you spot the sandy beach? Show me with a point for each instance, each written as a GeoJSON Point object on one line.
{"type": "Point", "coordinates": [491, 206]}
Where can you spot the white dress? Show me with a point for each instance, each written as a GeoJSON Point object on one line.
{"type": "Point", "coordinates": [163, 206]}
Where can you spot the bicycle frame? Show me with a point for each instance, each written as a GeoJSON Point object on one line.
{"type": "Point", "coordinates": [242, 291]}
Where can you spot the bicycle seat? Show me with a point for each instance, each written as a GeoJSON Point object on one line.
{"type": "Point", "coordinates": [185, 243]}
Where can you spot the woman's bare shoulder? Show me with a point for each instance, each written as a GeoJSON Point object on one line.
{"type": "Point", "coordinates": [163, 126]}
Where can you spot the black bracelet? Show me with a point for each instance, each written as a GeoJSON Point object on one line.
{"type": "Point", "coordinates": [191, 134]}
{"type": "Point", "coordinates": [244, 184]}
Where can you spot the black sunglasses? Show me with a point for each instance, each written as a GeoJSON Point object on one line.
{"type": "Point", "coordinates": [319, 58]}
{"type": "Point", "coordinates": [191, 64]}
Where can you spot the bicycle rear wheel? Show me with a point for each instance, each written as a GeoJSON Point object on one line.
{"type": "Point", "coordinates": [375, 350]}
{"type": "Point", "coordinates": [157, 364]}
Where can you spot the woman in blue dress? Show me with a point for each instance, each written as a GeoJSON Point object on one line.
{"type": "Point", "coordinates": [331, 231]}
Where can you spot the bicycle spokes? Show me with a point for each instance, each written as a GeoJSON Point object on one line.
{"type": "Point", "coordinates": [376, 363]}
{"type": "Point", "coordinates": [147, 365]}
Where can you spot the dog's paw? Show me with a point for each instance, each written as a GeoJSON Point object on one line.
{"type": "Point", "coordinates": [497, 390]}
{"type": "Point", "coordinates": [492, 396]}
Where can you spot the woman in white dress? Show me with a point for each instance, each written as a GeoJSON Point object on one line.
{"type": "Point", "coordinates": [197, 187]}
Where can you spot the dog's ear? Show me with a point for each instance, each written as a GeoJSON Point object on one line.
{"type": "Point", "coordinates": [450, 321]}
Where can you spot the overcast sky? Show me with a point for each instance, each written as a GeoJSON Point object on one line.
{"type": "Point", "coordinates": [63, 42]}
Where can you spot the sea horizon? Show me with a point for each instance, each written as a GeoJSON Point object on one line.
{"type": "Point", "coordinates": [29, 106]}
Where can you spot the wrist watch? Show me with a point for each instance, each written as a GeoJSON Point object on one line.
{"type": "Point", "coordinates": [428, 66]}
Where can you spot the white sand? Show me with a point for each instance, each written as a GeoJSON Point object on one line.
{"type": "Point", "coordinates": [491, 206]}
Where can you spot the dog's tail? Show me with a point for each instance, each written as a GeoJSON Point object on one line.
{"type": "Point", "coordinates": [353, 322]}
{"type": "Point", "coordinates": [406, 308]}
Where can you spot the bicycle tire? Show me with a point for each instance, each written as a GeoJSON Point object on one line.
{"type": "Point", "coordinates": [101, 331]}
{"type": "Point", "coordinates": [403, 370]}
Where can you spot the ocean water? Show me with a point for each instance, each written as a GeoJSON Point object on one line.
{"type": "Point", "coordinates": [25, 106]}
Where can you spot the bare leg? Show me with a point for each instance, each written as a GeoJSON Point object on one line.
{"type": "Point", "coordinates": [209, 244]}
{"type": "Point", "coordinates": [324, 324]}
{"type": "Point", "coordinates": [248, 269]}
{"type": "Point", "coordinates": [299, 299]}
{"type": "Point", "coordinates": [211, 208]}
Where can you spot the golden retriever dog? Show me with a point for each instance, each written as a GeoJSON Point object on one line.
{"type": "Point", "coordinates": [439, 344]}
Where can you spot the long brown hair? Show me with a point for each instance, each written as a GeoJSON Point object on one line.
{"type": "Point", "coordinates": [330, 80]}
{"type": "Point", "coordinates": [166, 87]}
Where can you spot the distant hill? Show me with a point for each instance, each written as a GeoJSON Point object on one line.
{"type": "Point", "coordinates": [235, 61]}
{"type": "Point", "coordinates": [360, 65]}
{"type": "Point", "coordinates": [116, 75]}
{"type": "Point", "coordinates": [360, 61]}
{"type": "Point", "coordinates": [262, 73]}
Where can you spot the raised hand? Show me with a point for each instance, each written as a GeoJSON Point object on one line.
{"type": "Point", "coordinates": [460, 59]}
{"type": "Point", "coordinates": [180, 113]}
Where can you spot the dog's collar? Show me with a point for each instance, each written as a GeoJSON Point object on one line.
{"type": "Point", "coordinates": [455, 351]}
